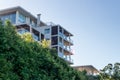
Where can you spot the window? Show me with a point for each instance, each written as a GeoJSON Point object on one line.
{"type": "Point", "coordinates": [32, 23]}
{"type": "Point", "coordinates": [11, 17]}
{"type": "Point", "coordinates": [54, 40]}
{"type": "Point", "coordinates": [54, 30]}
{"type": "Point", "coordinates": [60, 29]}
{"type": "Point", "coordinates": [42, 37]}
{"type": "Point", "coordinates": [47, 31]}
{"type": "Point", "coordinates": [22, 18]}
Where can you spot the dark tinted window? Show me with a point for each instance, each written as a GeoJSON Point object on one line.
{"type": "Point", "coordinates": [60, 29]}
{"type": "Point", "coordinates": [54, 40]}
{"type": "Point", "coordinates": [42, 36]}
{"type": "Point", "coordinates": [54, 30]}
{"type": "Point", "coordinates": [47, 31]}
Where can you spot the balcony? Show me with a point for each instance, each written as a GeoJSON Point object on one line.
{"type": "Point", "coordinates": [61, 44]}
{"type": "Point", "coordinates": [67, 50]}
{"type": "Point", "coordinates": [61, 34]}
{"type": "Point", "coordinates": [60, 55]}
{"type": "Point", "coordinates": [66, 58]}
{"type": "Point", "coordinates": [69, 60]}
{"type": "Point", "coordinates": [22, 31]}
{"type": "Point", "coordinates": [67, 40]}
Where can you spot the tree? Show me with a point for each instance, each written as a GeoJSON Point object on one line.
{"type": "Point", "coordinates": [27, 37]}
{"type": "Point", "coordinates": [111, 72]}
{"type": "Point", "coordinates": [45, 43]}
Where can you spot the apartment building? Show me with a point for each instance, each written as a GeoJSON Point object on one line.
{"type": "Point", "coordinates": [26, 22]}
{"type": "Point", "coordinates": [23, 20]}
{"type": "Point", "coordinates": [60, 40]}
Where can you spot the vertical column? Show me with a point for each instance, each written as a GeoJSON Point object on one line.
{"type": "Point", "coordinates": [17, 17]}
{"type": "Point", "coordinates": [50, 36]}
{"type": "Point", "coordinates": [62, 39]}
{"type": "Point", "coordinates": [69, 43]}
{"type": "Point", "coordinates": [58, 34]}
{"type": "Point", "coordinates": [62, 53]}
{"type": "Point", "coordinates": [58, 42]}
{"type": "Point", "coordinates": [69, 49]}
{"type": "Point", "coordinates": [30, 29]}
{"type": "Point", "coordinates": [70, 58]}
{"type": "Point", "coordinates": [62, 43]}
{"type": "Point", "coordinates": [38, 19]}
{"type": "Point", "coordinates": [39, 36]}
{"type": "Point", "coordinates": [65, 57]}
{"type": "Point", "coordinates": [28, 20]}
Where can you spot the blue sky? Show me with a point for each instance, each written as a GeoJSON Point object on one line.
{"type": "Point", "coordinates": [94, 23]}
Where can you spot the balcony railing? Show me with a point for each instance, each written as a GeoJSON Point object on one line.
{"type": "Point", "coordinates": [69, 60]}
{"type": "Point", "coordinates": [61, 44]}
{"type": "Point", "coordinates": [22, 31]}
{"type": "Point", "coordinates": [65, 37]}
{"type": "Point", "coordinates": [67, 48]}
{"type": "Point", "coordinates": [60, 55]}
{"type": "Point", "coordinates": [61, 35]}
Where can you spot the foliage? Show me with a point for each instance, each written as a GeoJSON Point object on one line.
{"type": "Point", "coordinates": [93, 77]}
{"type": "Point", "coordinates": [45, 43]}
{"type": "Point", "coordinates": [27, 37]}
{"type": "Point", "coordinates": [26, 60]}
{"type": "Point", "coordinates": [111, 72]}
{"type": "Point", "coordinates": [89, 77]}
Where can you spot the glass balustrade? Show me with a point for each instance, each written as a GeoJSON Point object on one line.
{"type": "Point", "coordinates": [22, 31]}
{"type": "Point", "coordinates": [68, 59]}
{"type": "Point", "coordinates": [61, 44]}
{"type": "Point", "coordinates": [60, 54]}
{"type": "Point", "coordinates": [67, 48]}
{"type": "Point", "coordinates": [65, 37]}
{"type": "Point", "coordinates": [60, 34]}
